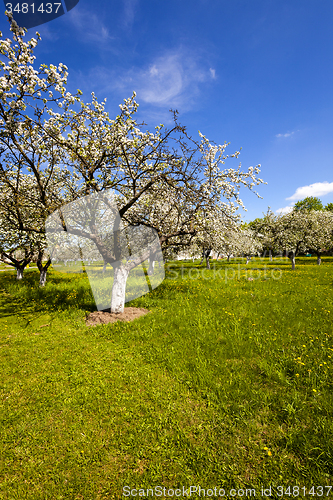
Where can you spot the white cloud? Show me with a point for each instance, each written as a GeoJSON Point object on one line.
{"type": "Point", "coordinates": [164, 82]}
{"type": "Point", "coordinates": [171, 80]}
{"type": "Point", "coordinates": [284, 210]}
{"type": "Point", "coordinates": [88, 25]}
{"type": "Point", "coordinates": [285, 135]}
{"type": "Point", "coordinates": [212, 73]}
{"type": "Point", "coordinates": [316, 189]}
{"type": "Point", "coordinates": [129, 13]}
{"type": "Point", "coordinates": [153, 71]}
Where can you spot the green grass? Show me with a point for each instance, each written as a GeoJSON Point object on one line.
{"type": "Point", "coordinates": [228, 383]}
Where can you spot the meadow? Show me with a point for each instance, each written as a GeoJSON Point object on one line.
{"type": "Point", "coordinates": [226, 383]}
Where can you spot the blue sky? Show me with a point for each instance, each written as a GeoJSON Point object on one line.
{"type": "Point", "coordinates": [257, 74]}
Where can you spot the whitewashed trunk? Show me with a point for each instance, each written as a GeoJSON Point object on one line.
{"type": "Point", "coordinates": [42, 278]}
{"type": "Point", "coordinates": [19, 274]}
{"type": "Point", "coordinates": [293, 262]}
{"type": "Point", "coordinates": [318, 260]}
{"type": "Point", "coordinates": [151, 267]}
{"type": "Point", "coordinates": [248, 259]}
{"type": "Point", "coordinates": [104, 267]}
{"type": "Point", "coordinates": [119, 290]}
{"type": "Point", "coordinates": [270, 255]}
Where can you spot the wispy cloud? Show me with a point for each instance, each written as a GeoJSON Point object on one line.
{"type": "Point", "coordinates": [288, 134]}
{"type": "Point", "coordinates": [316, 189]}
{"type": "Point", "coordinates": [129, 12]}
{"type": "Point", "coordinates": [212, 73]}
{"type": "Point", "coordinates": [284, 210]}
{"type": "Point", "coordinates": [167, 81]}
{"type": "Point", "coordinates": [46, 33]}
{"type": "Point", "coordinates": [171, 80]}
{"type": "Point", "coordinates": [88, 26]}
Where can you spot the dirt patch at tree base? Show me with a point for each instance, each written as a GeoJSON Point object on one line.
{"type": "Point", "coordinates": [105, 317]}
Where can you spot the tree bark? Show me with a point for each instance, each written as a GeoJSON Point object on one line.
{"type": "Point", "coordinates": [318, 259]}
{"type": "Point", "coordinates": [207, 258]}
{"type": "Point", "coordinates": [19, 274]}
{"type": "Point", "coordinates": [42, 269]}
{"type": "Point", "coordinates": [203, 256]}
{"type": "Point", "coordinates": [19, 265]}
{"type": "Point", "coordinates": [270, 255]}
{"type": "Point", "coordinates": [119, 289]}
{"type": "Point", "coordinates": [292, 259]}
{"type": "Point", "coordinates": [151, 267]}
{"type": "Point", "coordinates": [42, 278]}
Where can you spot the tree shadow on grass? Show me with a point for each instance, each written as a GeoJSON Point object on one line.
{"type": "Point", "coordinates": [24, 298]}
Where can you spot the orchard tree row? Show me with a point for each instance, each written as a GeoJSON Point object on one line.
{"type": "Point", "coordinates": [55, 149]}
{"type": "Point", "coordinates": [307, 228]}
{"type": "Point", "coordinates": [299, 231]}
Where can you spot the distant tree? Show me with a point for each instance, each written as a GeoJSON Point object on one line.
{"type": "Point", "coordinates": [320, 232]}
{"type": "Point", "coordinates": [304, 230]}
{"type": "Point", "coordinates": [309, 203]}
{"type": "Point", "coordinates": [248, 243]}
{"type": "Point", "coordinates": [265, 229]}
{"type": "Point", "coordinates": [329, 207]}
{"type": "Point", "coordinates": [253, 224]}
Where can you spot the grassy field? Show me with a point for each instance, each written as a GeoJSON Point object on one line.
{"type": "Point", "coordinates": [227, 383]}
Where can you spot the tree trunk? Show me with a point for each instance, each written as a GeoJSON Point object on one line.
{"type": "Point", "coordinates": [248, 259]}
{"type": "Point", "coordinates": [104, 267]}
{"type": "Point", "coordinates": [318, 259]}
{"type": "Point", "coordinates": [207, 258]}
{"type": "Point", "coordinates": [270, 255]}
{"type": "Point", "coordinates": [42, 269]}
{"type": "Point", "coordinates": [151, 267]}
{"type": "Point", "coordinates": [42, 277]}
{"type": "Point", "coordinates": [292, 259]}
{"type": "Point", "coordinates": [119, 289]}
{"type": "Point", "coordinates": [228, 257]}
{"type": "Point", "coordinates": [218, 254]}
{"type": "Point", "coordinates": [203, 256]}
{"type": "Point", "coordinates": [19, 274]}
{"type": "Point", "coordinates": [19, 265]}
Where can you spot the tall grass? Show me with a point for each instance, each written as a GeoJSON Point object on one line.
{"type": "Point", "coordinates": [228, 383]}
